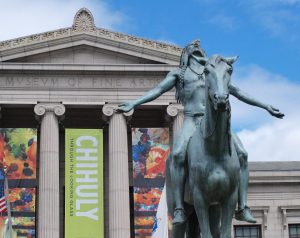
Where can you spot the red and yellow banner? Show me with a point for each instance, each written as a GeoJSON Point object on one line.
{"type": "Point", "coordinates": [18, 153]}
{"type": "Point", "coordinates": [150, 150]}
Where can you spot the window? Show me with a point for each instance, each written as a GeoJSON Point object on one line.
{"type": "Point", "coordinates": [294, 231]}
{"type": "Point", "coordinates": [247, 232]}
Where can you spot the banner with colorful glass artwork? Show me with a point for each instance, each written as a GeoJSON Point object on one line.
{"type": "Point", "coordinates": [18, 156]}
{"type": "Point", "coordinates": [84, 216]}
{"type": "Point", "coordinates": [150, 150]}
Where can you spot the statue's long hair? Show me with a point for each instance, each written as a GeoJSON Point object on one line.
{"type": "Point", "coordinates": [184, 60]}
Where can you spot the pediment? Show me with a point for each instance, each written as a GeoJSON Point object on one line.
{"type": "Point", "coordinates": [85, 43]}
{"type": "Point", "coordinates": [83, 54]}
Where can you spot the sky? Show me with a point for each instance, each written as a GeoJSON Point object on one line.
{"type": "Point", "coordinates": [264, 33]}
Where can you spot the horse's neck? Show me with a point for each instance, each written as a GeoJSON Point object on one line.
{"type": "Point", "coordinates": [216, 131]}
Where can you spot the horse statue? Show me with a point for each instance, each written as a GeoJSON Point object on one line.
{"type": "Point", "coordinates": [212, 162]}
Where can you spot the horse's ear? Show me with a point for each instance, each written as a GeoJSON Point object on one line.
{"type": "Point", "coordinates": [231, 60]}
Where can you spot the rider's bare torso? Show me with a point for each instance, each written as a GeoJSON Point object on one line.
{"type": "Point", "coordinates": [193, 93]}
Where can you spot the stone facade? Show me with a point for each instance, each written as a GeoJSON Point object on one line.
{"type": "Point", "coordinates": [274, 197]}
{"type": "Point", "coordinates": [73, 78]}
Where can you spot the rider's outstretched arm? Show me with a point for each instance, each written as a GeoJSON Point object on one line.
{"type": "Point", "coordinates": [239, 94]}
{"type": "Point", "coordinates": [167, 84]}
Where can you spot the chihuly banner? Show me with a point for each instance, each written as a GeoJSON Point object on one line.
{"type": "Point", "coordinates": [18, 148]}
{"type": "Point", "coordinates": [84, 183]}
{"type": "Point", "coordinates": [150, 150]}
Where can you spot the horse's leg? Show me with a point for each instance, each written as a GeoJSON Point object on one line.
{"type": "Point", "coordinates": [228, 208]}
{"type": "Point", "coordinates": [215, 220]}
{"type": "Point", "coordinates": [169, 190]}
{"type": "Point", "coordinates": [178, 230]}
{"type": "Point", "coordinates": [202, 208]}
{"type": "Point", "coordinates": [193, 229]}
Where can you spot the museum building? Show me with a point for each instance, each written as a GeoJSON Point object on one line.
{"type": "Point", "coordinates": [74, 78]}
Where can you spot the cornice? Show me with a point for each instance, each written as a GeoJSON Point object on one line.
{"type": "Point", "coordinates": [287, 177]}
{"type": "Point", "coordinates": [87, 67]}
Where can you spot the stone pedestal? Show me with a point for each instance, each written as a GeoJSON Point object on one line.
{"type": "Point", "coordinates": [48, 205]}
{"type": "Point", "coordinates": [119, 208]}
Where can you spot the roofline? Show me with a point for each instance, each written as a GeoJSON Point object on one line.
{"type": "Point", "coordinates": [98, 32]}
{"type": "Point", "coordinates": [84, 32]}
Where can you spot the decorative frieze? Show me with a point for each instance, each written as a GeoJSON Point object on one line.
{"type": "Point", "coordinates": [33, 38]}
{"type": "Point", "coordinates": [84, 23]}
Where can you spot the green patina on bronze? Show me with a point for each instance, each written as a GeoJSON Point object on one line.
{"type": "Point", "coordinates": [208, 161]}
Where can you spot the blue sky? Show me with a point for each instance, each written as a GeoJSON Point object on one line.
{"type": "Point", "coordinates": [264, 33]}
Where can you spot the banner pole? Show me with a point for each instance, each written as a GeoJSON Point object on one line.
{"type": "Point", "coordinates": [6, 192]}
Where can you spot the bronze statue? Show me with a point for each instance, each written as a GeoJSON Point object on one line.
{"type": "Point", "coordinates": [191, 83]}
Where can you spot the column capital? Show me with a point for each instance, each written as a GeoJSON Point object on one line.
{"type": "Point", "coordinates": [57, 108]}
{"type": "Point", "coordinates": [174, 110]}
{"type": "Point", "coordinates": [109, 110]}
{"type": "Point", "coordinates": [175, 116]}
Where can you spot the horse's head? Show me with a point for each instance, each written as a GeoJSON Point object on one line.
{"type": "Point", "coordinates": [218, 72]}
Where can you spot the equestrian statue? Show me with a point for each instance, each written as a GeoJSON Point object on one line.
{"type": "Point", "coordinates": [208, 161]}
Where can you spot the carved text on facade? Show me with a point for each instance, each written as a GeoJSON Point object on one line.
{"type": "Point", "coordinates": [80, 82]}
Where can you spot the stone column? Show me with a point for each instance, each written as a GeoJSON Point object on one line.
{"type": "Point", "coordinates": [48, 205]}
{"type": "Point", "coordinates": [175, 111]}
{"type": "Point", "coordinates": [0, 116]}
{"type": "Point", "coordinates": [119, 210]}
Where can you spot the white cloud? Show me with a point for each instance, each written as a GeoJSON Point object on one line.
{"type": "Point", "coordinates": [276, 2]}
{"type": "Point", "coordinates": [224, 22]}
{"type": "Point", "coordinates": [20, 18]}
{"type": "Point", "coordinates": [268, 88]}
{"type": "Point", "coordinates": [266, 137]}
{"type": "Point", "coordinates": [277, 141]}
{"type": "Point", "coordinates": [278, 17]}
